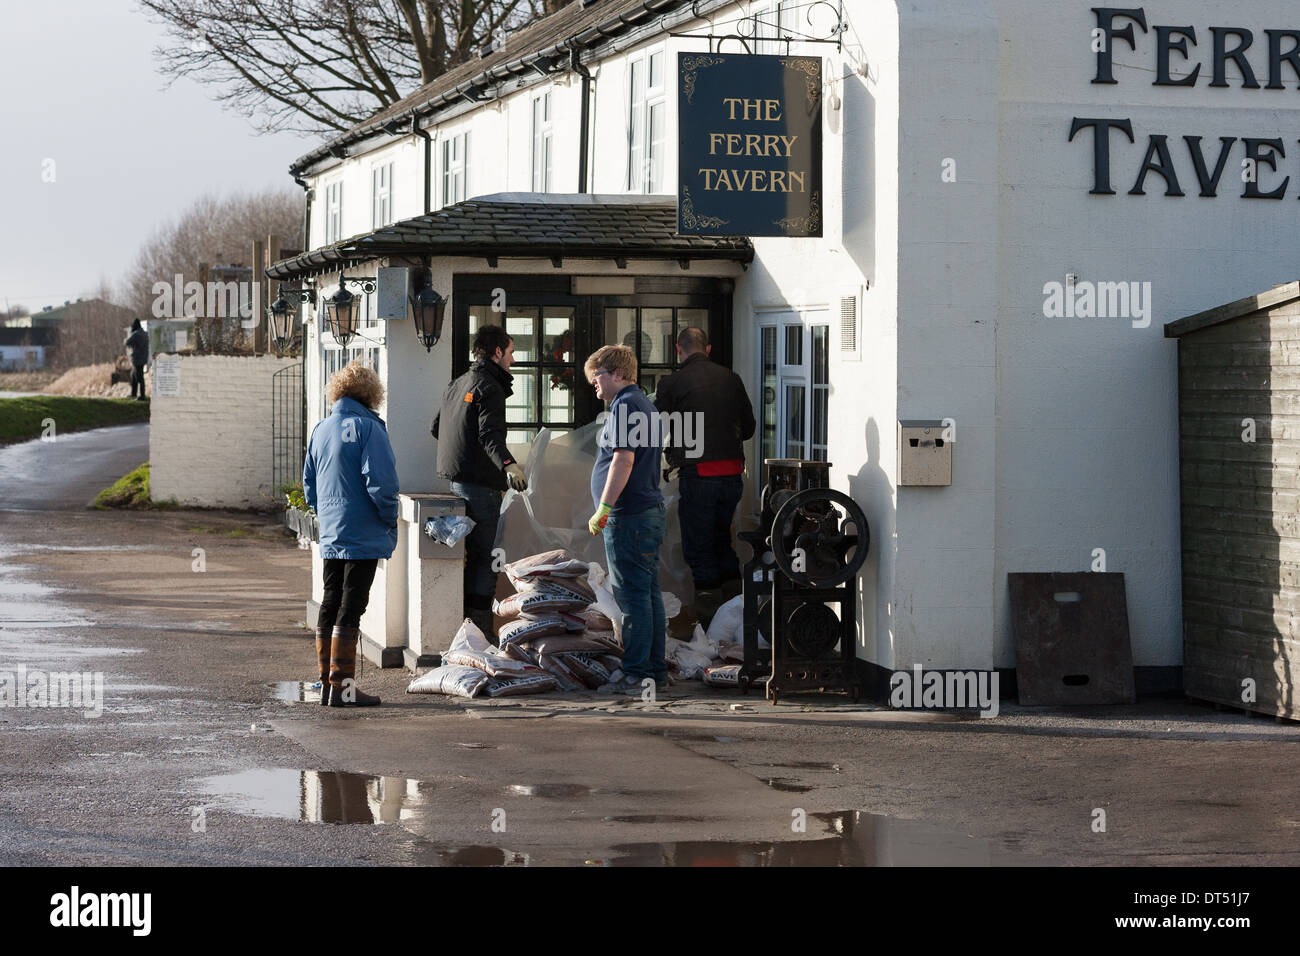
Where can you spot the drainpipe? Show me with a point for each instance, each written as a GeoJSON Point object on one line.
{"type": "Point", "coordinates": [306, 217]}
{"type": "Point", "coordinates": [583, 72]}
{"type": "Point", "coordinates": [428, 159]}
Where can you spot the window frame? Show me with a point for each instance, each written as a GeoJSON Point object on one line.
{"type": "Point", "coordinates": [457, 166]}
{"type": "Point", "coordinates": [647, 175]}
{"type": "Point", "coordinates": [381, 195]}
{"type": "Point", "coordinates": [542, 140]}
{"type": "Point", "coordinates": [333, 212]}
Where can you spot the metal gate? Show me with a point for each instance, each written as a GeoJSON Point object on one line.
{"type": "Point", "coordinates": [288, 426]}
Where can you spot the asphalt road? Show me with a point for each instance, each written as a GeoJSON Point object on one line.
{"type": "Point", "coordinates": [66, 473]}
{"type": "Point", "coordinates": [204, 750]}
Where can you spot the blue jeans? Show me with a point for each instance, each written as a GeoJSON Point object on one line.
{"type": "Point", "coordinates": [632, 550]}
{"type": "Point", "coordinates": [704, 513]}
{"type": "Point", "coordinates": [483, 505]}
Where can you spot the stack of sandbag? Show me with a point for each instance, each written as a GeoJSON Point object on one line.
{"type": "Point", "coordinates": [556, 621]}
{"type": "Point", "coordinates": [472, 666]}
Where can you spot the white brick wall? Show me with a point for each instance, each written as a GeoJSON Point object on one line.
{"type": "Point", "coordinates": [211, 445]}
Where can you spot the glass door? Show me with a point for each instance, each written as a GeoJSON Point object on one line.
{"type": "Point", "coordinates": [794, 372]}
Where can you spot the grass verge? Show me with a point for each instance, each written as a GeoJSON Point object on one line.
{"type": "Point", "coordinates": [131, 491]}
{"type": "Point", "coordinates": [22, 419]}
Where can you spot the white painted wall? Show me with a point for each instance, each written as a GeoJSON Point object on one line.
{"type": "Point", "coordinates": [211, 446]}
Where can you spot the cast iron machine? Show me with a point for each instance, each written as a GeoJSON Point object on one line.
{"type": "Point", "coordinates": [807, 550]}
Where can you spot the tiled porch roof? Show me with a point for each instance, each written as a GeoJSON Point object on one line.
{"type": "Point", "coordinates": [528, 225]}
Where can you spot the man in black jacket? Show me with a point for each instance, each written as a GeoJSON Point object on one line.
{"type": "Point", "coordinates": [472, 454]}
{"type": "Point", "coordinates": [138, 343]}
{"type": "Point", "coordinates": [711, 417]}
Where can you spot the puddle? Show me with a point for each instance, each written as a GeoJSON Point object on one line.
{"type": "Point", "coordinates": [806, 765]}
{"type": "Point", "coordinates": [846, 838]}
{"type": "Point", "coordinates": [477, 746]}
{"type": "Point", "coordinates": [552, 791]}
{"type": "Point", "coordinates": [296, 691]}
{"type": "Point", "coordinates": [784, 785]}
{"type": "Point", "coordinates": [653, 818]}
{"type": "Point", "coordinates": [699, 738]}
{"type": "Point", "coordinates": [469, 856]}
{"type": "Point", "coordinates": [318, 796]}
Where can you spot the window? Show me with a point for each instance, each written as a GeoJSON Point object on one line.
{"type": "Point", "coordinates": [542, 143]}
{"type": "Point", "coordinates": [647, 108]}
{"type": "Point", "coordinates": [773, 21]}
{"type": "Point", "coordinates": [651, 332]}
{"type": "Point", "coordinates": [333, 212]}
{"type": "Point", "coordinates": [455, 168]}
{"type": "Point", "coordinates": [546, 369]}
{"type": "Point", "coordinates": [794, 373]}
{"type": "Point", "coordinates": [381, 195]}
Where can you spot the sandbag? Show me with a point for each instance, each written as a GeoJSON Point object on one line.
{"type": "Point", "coordinates": [450, 679]}
{"type": "Point", "coordinates": [546, 598]}
{"type": "Point", "coordinates": [595, 619]}
{"type": "Point", "coordinates": [518, 652]}
{"type": "Point", "coordinates": [561, 671]}
{"type": "Point", "coordinates": [588, 668]}
{"type": "Point", "coordinates": [529, 628]}
{"type": "Point", "coordinates": [573, 623]}
{"type": "Point", "coordinates": [728, 676]}
{"type": "Point", "coordinates": [558, 563]}
{"type": "Point", "coordinates": [564, 644]}
{"type": "Point", "coordinates": [538, 683]}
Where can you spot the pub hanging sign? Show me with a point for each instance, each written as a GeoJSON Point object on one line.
{"type": "Point", "coordinates": [749, 158]}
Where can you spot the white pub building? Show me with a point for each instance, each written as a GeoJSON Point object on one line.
{"type": "Point", "coordinates": [1013, 198]}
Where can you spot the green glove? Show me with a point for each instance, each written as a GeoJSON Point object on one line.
{"type": "Point", "coordinates": [598, 519]}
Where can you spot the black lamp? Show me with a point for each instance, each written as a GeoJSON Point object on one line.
{"type": "Point", "coordinates": [429, 308]}
{"type": "Point", "coordinates": [341, 313]}
{"type": "Point", "coordinates": [280, 322]}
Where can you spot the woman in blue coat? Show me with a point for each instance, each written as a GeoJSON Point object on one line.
{"type": "Point", "coordinates": [350, 480]}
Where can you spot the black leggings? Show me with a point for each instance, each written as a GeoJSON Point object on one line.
{"type": "Point", "coordinates": [347, 592]}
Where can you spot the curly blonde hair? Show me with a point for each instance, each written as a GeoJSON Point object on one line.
{"type": "Point", "coordinates": [356, 380]}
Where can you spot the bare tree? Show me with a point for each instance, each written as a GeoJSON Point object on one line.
{"type": "Point", "coordinates": [320, 65]}
{"type": "Point", "coordinates": [212, 231]}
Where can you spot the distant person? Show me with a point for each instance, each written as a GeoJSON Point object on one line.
{"type": "Point", "coordinates": [138, 345]}
{"type": "Point", "coordinates": [711, 484]}
{"type": "Point", "coordinates": [349, 478]}
{"type": "Point", "coordinates": [471, 430]}
{"type": "Point", "coordinates": [629, 514]}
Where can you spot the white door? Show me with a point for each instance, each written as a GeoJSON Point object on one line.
{"type": "Point", "coordinates": [794, 366]}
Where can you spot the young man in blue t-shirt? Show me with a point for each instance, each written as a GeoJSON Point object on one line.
{"type": "Point", "coordinates": [630, 511]}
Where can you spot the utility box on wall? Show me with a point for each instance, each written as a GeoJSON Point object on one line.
{"type": "Point", "coordinates": [924, 455]}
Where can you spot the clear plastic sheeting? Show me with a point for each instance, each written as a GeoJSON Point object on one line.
{"type": "Point", "coordinates": [553, 512]}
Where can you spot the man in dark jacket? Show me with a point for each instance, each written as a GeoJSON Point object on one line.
{"type": "Point", "coordinates": [710, 418]}
{"type": "Point", "coordinates": [138, 344]}
{"type": "Point", "coordinates": [472, 455]}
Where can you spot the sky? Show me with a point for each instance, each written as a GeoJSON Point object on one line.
{"type": "Point", "coordinates": [78, 86]}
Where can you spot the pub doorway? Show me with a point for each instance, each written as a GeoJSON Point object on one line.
{"type": "Point", "coordinates": [555, 329]}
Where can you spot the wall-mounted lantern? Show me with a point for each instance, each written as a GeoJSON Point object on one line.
{"type": "Point", "coordinates": [342, 308]}
{"type": "Point", "coordinates": [280, 314]}
{"type": "Point", "coordinates": [429, 308]}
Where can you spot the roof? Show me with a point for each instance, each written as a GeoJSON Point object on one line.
{"type": "Point", "coordinates": [545, 45]}
{"type": "Point", "coordinates": [529, 225]}
{"type": "Point", "coordinates": [1278, 295]}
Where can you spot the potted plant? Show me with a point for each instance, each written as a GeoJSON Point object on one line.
{"type": "Point", "coordinates": [298, 515]}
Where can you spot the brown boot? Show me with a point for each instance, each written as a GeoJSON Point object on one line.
{"type": "Point", "coordinates": [343, 670]}
{"type": "Point", "coordinates": [323, 642]}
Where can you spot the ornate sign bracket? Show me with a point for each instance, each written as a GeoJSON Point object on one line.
{"type": "Point", "coordinates": [754, 28]}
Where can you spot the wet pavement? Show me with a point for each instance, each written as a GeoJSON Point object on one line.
{"type": "Point", "coordinates": [210, 748]}
{"type": "Point", "coordinates": [67, 472]}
